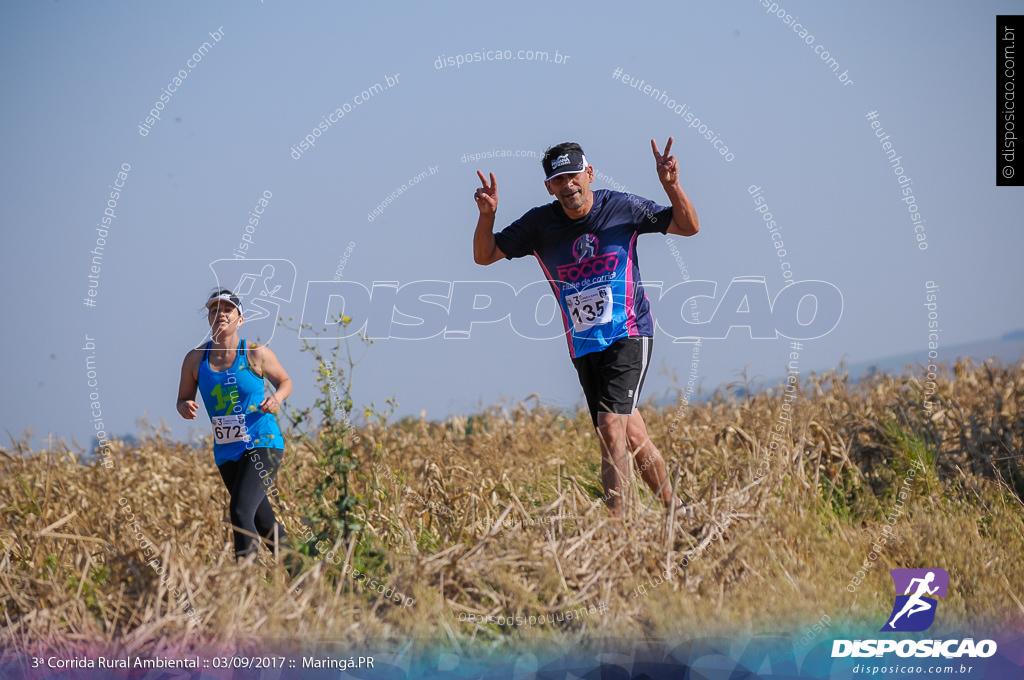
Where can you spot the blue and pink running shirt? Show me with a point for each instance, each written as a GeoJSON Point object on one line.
{"type": "Point", "coordinates": [591, 264]}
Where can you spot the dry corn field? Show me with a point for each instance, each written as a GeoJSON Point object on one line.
{"type": "Point", "coordinates": [498, 515]}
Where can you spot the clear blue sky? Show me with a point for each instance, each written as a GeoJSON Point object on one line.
{"type": "Point", "coordinates": [79, 78]}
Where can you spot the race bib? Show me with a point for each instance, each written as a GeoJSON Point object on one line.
{"type": "Point", "coordinates": [592, 307]}
{"type": "Point", "coordinates": [229, 429]}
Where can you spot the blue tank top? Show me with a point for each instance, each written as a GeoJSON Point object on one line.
{"type": "Point", "coordinates": [231, 397]}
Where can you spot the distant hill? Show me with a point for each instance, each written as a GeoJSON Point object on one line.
{"type": "Point", "coordinates": [1009, 349]}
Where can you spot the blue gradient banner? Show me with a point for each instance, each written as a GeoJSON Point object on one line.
{"type": "Point", "coordinates": [706, 657]}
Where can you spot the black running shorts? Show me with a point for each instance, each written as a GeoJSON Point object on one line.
{"type": "Point", "coordinates": [612, 378]}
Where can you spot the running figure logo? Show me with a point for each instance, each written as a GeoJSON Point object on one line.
{"type": "Point", "coordinates": [263, 286]}
{"type": "Point", "coordinates": [585, 247]}
{"type": "Point", "coordinates": [915, 611]}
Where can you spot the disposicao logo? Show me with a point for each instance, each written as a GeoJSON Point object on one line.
{"type": "Point", "coordinates": [914, 611]}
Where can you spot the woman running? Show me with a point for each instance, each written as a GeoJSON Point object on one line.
{"type": "Point", "coordinates": [248, 446]}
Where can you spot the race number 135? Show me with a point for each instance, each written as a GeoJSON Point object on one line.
{"type": "Point", "coordinates": [591, 307]}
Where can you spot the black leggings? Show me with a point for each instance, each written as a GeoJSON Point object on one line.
{"type": "Point", "coordinates": [250, 508]}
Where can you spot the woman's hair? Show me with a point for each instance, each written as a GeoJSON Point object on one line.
{"type": "Point", "coordinates": [220, 291]}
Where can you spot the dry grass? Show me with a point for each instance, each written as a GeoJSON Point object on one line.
{"type": "Point", "coordinates": [73, 578]}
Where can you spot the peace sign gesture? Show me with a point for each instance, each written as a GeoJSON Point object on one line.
{"type": "Point", "coordinates": [487, 196]}
{"type": "Point", "coordinates": [668, 166]}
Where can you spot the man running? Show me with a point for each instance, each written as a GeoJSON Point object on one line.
{"type": "Point", "coordinates": [585, 242]}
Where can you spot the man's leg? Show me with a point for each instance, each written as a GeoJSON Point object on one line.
{"type": "Point", "coordinates": [648, 459]}
{"type": "Point", "coordinates": [611, 431]}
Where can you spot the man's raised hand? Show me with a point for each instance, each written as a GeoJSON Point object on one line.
{"type": "Point", "coordinates": [668, 166]}
{"type": "Point", "coordinates": [487, 195]}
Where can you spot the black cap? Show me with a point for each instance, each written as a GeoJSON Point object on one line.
{"type": "Point", "coordinates": [225, 295]}
{"type": "Point", "coordinates": [568, 163]}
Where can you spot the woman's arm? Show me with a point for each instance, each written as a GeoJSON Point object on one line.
{"type": "Point", "coordinates": [267, 365]}
{"type": "Point", "coordinates": [187, 386]}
